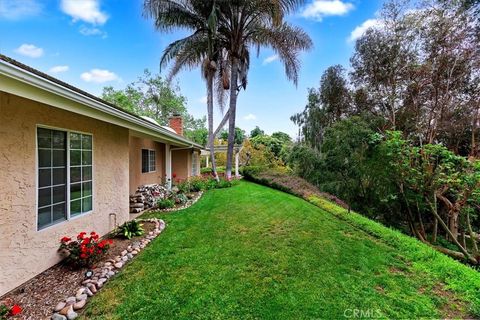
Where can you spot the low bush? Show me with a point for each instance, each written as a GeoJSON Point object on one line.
{"type": "Point", "coordinates": [85, 250]}
{"type": "Point", "coordinates": [179, 198]}
{"type": "Point", "coordinates": [208, 170]}
{"type": "Point", "coordinates": [196, 184]}
{"type": "Point", "coordinates": [130, 229]}
{"type": "Point", "coordinates": [165, 203]}
{"type": "Point", "coordinates": [282, 179]}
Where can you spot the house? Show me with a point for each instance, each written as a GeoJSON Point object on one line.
{"type": "Point", "coordinates": [68, 162]}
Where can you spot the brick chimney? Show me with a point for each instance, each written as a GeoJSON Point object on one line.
{"type": "Point", "coordinates": [176, 123]}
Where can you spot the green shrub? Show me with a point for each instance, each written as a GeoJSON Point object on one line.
{"type": "Point", "coordinates": [179, 198]}
{"type": "Point", "coordinates": [206, 170]}
{"type": "Point", "coordinates": [165, 203]}
{"type": "Point", "coordinates": [183, 187]}
{"type": "Point", "coordinates": [198, 184]}
{"type": "Point", "coordinates": [130, 229]}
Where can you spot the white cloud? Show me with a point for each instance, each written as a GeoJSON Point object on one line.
{"type": "Point", "coordinates": [59, 69]}
{"type": "Point", "coordinates": [18, 9]}
{"type": "Point", "coordinates": [249, 117]}
{"type": "Point", "coordinates": [29, 50]}
{"type": "Point", "coordinates": [99, 76]}
{"type": "Point", "coordinates": [86, 31]}
{"type": "Point", "coordinates": [360, 30]}
{"type": "Point", "coordinates": [319, 9]}
{"type": "Point", "coordinates": [270, 59]}
{"type": "Point", "coordinates": [203, 100]}
{"type": "Point", "coordinates": [85, 10]}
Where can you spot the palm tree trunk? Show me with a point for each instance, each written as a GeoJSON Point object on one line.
{"type": "Point", "coordinates": [231, 121]}
{"type": "Point", "coordinates": [211, 136]}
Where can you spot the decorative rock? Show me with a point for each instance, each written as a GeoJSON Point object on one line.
{"type": "Point", "coordinates": [125, 258]}
{"type": "Point", "coordinates": [129, 255]}
{"type": "Point", "coordinates": [79, 305]}
{"type": "Point", "coordinates": [71, 314]}
{"type": "Point", "coordinates": [92, 288]}
{"type": "Point", "coordinates": [107, 264]}
{"type": "Point", "coordinates": [89, 292]}
{"type": "Point", "coordinates": [57, 316]}
{"type": "Point", "coordinates": [81, 297]}
{"type": "Point", "coordinates": [86, 281]}
{"type": "Point", "coordinates": [80, 291]}
{"type": "Point", "coordinates": [65, 310]}
{"type": "Point", "coordinates": [129, 248]}
{"type": "Point", "coordinates": [70, 300]}
{"type": "Point", "coordinates": [118, 265]}
{"type": "Point", "coordinates": [124, 252]}
{"type": "Point", "coordinates": [110, 273]}
{"type": "Point", "coordinates": [134, 252]}
{"type": "Point", "coordinates": [118, 259]}
{"type": "Point", "coordinates": [60, 306]}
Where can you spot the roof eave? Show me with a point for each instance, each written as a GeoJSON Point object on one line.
{"type": "Point", "coordinates": [35, 80]}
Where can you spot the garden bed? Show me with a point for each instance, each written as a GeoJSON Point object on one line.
{"type": "Point", "coordinates": [40, 295]}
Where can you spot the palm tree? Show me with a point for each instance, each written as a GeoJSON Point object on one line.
{"type": "Point", "coordinates": [243, 24]}
{"type": "Point", "coordinates": [198, 49]}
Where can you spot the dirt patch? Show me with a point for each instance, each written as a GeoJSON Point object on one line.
{"type": "Point", "coordinates": [453, 308]}
{"type": "Point", "coordinates": [39, 295]}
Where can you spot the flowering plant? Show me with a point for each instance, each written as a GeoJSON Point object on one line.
{"type": "Point", "coordinates": [85, 250]}
{"type": "Point", "coordinates": [9, 309]}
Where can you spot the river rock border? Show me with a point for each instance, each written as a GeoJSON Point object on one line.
{"type": "Point", "coordinates": [67, 308]}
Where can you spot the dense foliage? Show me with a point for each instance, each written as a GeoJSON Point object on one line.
{"type": "Point", "coordinates": [397, 138]}
{"type": "Point", "coordinates": [129, 229]}
{"type": "Point", "coordinates": [154, 97]}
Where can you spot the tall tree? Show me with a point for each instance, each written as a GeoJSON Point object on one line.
{"type": "Point", "coordinates": [256, 132]}
{"type": "Point", "coordinates": [150, 95]}
{"type": "Point", "coordinates": [200, 48]}
{"type": "Point", "coordinates": [244, 24]}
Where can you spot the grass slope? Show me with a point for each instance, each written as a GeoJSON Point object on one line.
{"type": "Point", "coordinates": [254, 252]}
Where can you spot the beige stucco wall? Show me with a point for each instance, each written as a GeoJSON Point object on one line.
{"type": "Point", "coordinates": [137, 178]}
{"type": "Point", "coordinates": [181, 164]}
{"type": "Point", "coordinates": [24, 251]}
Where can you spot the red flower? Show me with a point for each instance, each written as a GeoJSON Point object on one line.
{"type": "Point", "coordinates": [83, 256]}
{"type": "Point", "coordinates": [15, 310]}
{"type": "Point", "coordinates": [65, 239]}
{"type": "Point", "coordinates": [81, 235]}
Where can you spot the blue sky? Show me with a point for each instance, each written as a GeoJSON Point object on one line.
{"type": "Point", "coordinates": [94, 43]}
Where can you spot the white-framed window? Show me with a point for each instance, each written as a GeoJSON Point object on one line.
{"type": "Point", "coordinates": [64, 175]}
{"type": "Point", "coordinates": [194, 163]}
{"type": "Point", "coordinates": [148, 161]}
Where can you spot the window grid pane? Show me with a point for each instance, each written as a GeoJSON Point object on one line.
{"type": "Point", "coordinates": [51, 151]}
{"type": "Point", "coordinates": [80, 173]}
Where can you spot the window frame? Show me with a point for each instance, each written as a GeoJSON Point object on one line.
{"type": "Point", "coordinates": [68, 181]}
{"type": "Point", "coordinates": [149, 151]}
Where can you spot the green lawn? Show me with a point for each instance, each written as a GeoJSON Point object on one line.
{"type": "Point", "coordinates": [252, 252]}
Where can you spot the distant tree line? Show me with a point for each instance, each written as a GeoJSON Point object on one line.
{"type": "Point", "coordinates": [398, 136]}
